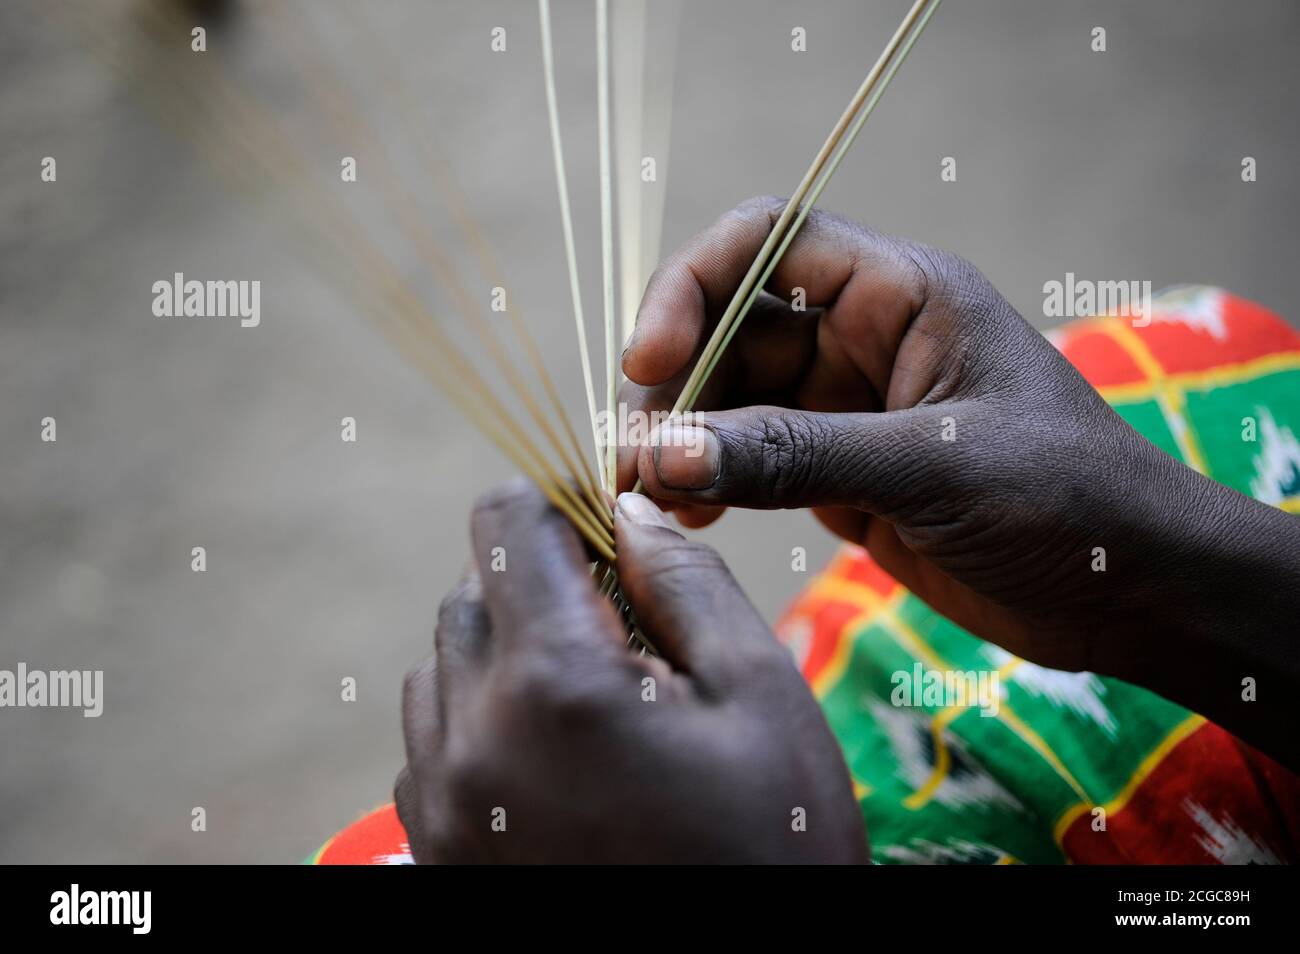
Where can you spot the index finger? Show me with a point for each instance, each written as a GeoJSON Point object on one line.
{"type": "Point", "coordinates": [536, 577]}
{"type": "Point", "coordinates": [868, 282]}
{"type": "Point", "coordinates": [695, 281]}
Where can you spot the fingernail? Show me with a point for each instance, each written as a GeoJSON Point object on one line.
{"type": "Point", "coordinates": [638, 509]}
{"type": "Point", "coordinates": [687, 457]}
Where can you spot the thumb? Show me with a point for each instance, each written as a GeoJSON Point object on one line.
{"type": "Point", "coordinates": [773, 458]}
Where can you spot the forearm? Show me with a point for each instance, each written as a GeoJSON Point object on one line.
{"type": "Point", "coordinates": [1222, 616]}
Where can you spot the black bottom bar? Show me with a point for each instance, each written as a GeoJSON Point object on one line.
{"type": "Point", "coordinates": [379, 905]}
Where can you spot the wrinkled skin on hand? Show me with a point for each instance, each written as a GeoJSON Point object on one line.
{"type": "Point", "coordinates": [917, 414]}
{"type": "Point", "coordinates": [536, 716]}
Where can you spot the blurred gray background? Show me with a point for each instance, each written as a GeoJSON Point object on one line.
{"type": "Point", "coordinates": [327, 560]}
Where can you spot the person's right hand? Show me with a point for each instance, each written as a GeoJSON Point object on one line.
{"type": "Point", "coordinates": [919, 415]}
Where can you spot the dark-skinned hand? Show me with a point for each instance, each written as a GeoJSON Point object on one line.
{"type": "Point", "coordinates": [917, 414]}
{"type": "Point", "coordinates": [536, 736]}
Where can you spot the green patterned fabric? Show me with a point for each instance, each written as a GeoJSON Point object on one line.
{"type": "Point", "coordinates": [1215, 382]}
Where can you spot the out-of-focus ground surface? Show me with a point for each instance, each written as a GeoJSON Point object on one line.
{"type": "Point", "coordinates": [327, 560]}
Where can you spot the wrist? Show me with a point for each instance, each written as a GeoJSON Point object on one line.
{"type": "Point", "coordinates": [1218, 591]}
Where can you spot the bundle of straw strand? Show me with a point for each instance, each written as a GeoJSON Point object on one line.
{"type": "Point", "coordinates": [197, 91]}
{"type": "Point", "coordinates": [200, 88]}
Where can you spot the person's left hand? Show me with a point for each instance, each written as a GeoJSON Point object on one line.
{"type": "Point", "coordinates": [534, 735]}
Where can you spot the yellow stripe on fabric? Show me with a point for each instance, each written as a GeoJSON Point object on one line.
{"type": "Point", "coordinates": [1144, 769]}
{"type": "Point", "coordinates": [1173, 404]}
{"type": "Point", "coordinates": [912, 641]}
{"type": "Point", "coordinates": [883, 611]}
{"type": "Point", "coordinates": [1217, 377]}
{"type": "Point", "coordinates": [849, 591]}
{"type": "Point", "coordinates": [1039, 745]}
{"type": "Point", "coordinates": [1013, 722]}
{"type": "Point", "coordinates": [942, 760]}
{"type": "Point", "coordinates": [1124, 336]}
{"type": "Point", "coordinates": [1166, 393]}
{"type": "Point", "coordinates": [855, 594]}
{"type": "Point", "coordinates": [916, 643]}
{"type": "Point", "coordinates": [838, 664]}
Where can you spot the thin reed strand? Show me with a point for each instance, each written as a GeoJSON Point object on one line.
{"type": "Point", "coordinates": [342, 111]}
{"type": "Point", "coordinates": [814, 196]}
{"type": "Point", "coordinates": [566, 220]}
{"type": "Point", "coordinates": [409, 326]}
{"type": "Point", "coordinates": [439, 172]}
{"type": "Point", "coordinates": [607, 244]}
{"type": "Point", "coordinates": [713, 347]}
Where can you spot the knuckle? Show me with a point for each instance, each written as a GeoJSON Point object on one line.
{"type": "Point", "coordinates": [535, 680]}
{"type": "Point", "coordinates": [459, 607]}
{"type": "Point", "coordinates": [760, 205]}
{"type": "Point", "coordinates": [790, 447]}
{"type": "Point", "coordinates": [552, 621]}
{"type": "Point", "coordinates": [952, 280]}
{"type": "Point", "coordinates": [449, 608]}
{"type": "Point", "coordinates": [933, 266]}
{"type": "Point", "coordinates": [678, 560]}
{"type": "Point", "coordinates": [529, 679]}
{"type": "Point", "coordinates": [538, 687]}
{"type": "Point", "coordinates": [757, 211]}
{"type": "Point", "coordinates": [414, 677]}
